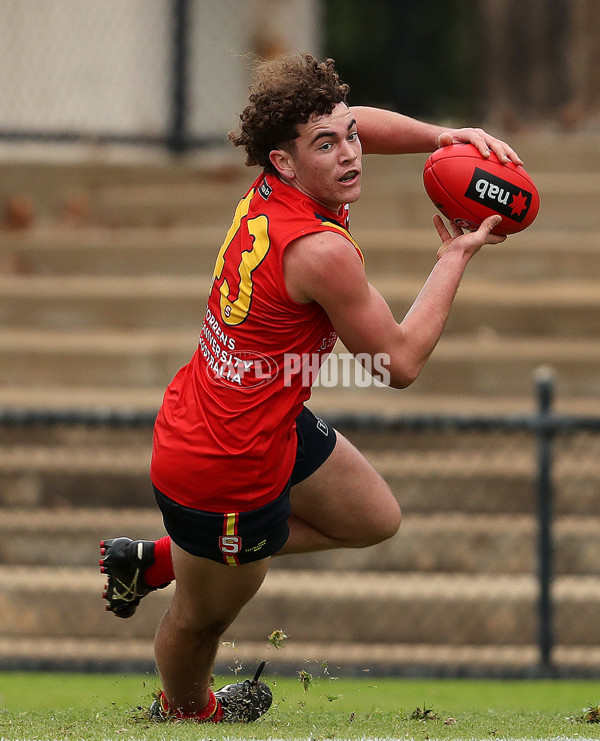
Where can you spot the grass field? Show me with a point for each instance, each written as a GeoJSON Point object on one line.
{"type": "Point", "coordinates": [99, 707]}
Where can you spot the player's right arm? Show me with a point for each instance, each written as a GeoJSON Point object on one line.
{"type": "Point", "coordinates": [325, 267]}
{"type": "Point", "coordinates": [388, 132]}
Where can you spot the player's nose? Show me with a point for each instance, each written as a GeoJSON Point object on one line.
{"type": "Point", "coordinates": [348, 152]}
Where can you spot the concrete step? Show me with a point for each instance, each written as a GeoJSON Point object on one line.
{"type": "Point", "coordinates": [75, 476]}
{"type": "Point", "coordinates": [64, 188]}
{"type": "Point", "coordinates": [547, 308]}
{"type": "Point", "coordinates": [166, 205]}
{"type": "Point", "coordinates": [110, 358]}
{"type": "Point", "coordinates": [191, 250]}
{"type": "Point", "coordinates": [323, 607]}
{"type": "Point", "coordinates": [54, 183]}
{"type": "Point", "coordinates": [75, 302]}
{"type": "Point", "coordinates": [98, 251]}
{"type": "Point", "coordinates": [69, 537]}
{"type": "Point", "coordinates": [494, 365]}
{"type": "Point", "coordinates": [429, 473]}
{"type": "Point", "coordinates": [479, 366]}
{"type": "Point", "coordinates": [452, 543]}
{"type": "Point", "coordinates": [398, 199]}
{"type": "Point", "coordinates": [567, 202]}
{"type": "Point", "coordinates": [534, 255]}
{"type": "Point", "coordinates": [138, 400]}
{"type": "Point", "coordinates": [459, 543]}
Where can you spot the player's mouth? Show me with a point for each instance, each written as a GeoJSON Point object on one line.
{"type": "Point", "coordinates": [350, 177]}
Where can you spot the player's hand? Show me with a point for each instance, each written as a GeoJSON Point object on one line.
{"type": "Point", "coordinates": [484, 142]}
{"type": "Point", "coordinates": [453, 237]}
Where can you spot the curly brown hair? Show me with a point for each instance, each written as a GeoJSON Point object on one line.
{"type": "Point", "coordinates": [286, 92]}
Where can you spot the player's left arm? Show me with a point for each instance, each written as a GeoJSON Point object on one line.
{"type": "Point", "coordinates": [388, 132]}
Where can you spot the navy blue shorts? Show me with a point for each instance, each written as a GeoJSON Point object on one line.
{"type": "Point", "coordinates": [236, 538]}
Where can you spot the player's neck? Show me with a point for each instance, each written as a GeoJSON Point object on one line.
{"type": "Point", "coordinates": [296, 186]}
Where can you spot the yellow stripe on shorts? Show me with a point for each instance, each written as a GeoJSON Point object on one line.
{"type": "Point", "coordinates": [231, 529]}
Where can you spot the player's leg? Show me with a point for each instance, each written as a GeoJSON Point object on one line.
{"type": "Point", "coordinates": [208, 596]}
{"type": "Point", "coordinates": [345, 503]}
{"type": "Point", "coordinates": [215, 576]}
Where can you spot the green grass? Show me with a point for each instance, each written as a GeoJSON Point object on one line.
{"type": "Point", "coordinates": [94, 707]}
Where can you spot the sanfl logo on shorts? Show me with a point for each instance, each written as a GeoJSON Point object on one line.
{"type": "Point", "coordinates": [230, 544]}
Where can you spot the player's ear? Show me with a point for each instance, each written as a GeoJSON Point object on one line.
{"type": "Point", "coordinates": [282, 162]}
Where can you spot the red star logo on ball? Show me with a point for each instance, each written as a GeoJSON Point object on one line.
{"type": "Point", "coordinates": [518, 204]}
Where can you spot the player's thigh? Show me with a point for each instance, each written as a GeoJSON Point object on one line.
{"type": "Point", "coordinates": [346, 497]}
{"type": "Point", "coordinates": [210, 594]}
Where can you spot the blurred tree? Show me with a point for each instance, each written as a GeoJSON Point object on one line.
{"type": "Point", "coordinates": [583, 63]}
{"type": "Point", "coordinates": [417, 58]}
{"type": "Point", "coordinates": [505, 63]}
{"type": "Point", "coordinates": [523, 73]}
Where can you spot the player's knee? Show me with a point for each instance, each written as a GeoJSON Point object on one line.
{"type": "Point", "coordinates": [197, 625]}
{"type": "Point", "coordinates": [203, 631]}
{"type": "Point", "coordinates": [383, 525]}
{"type": "Point", "coordinates": [393, 522]}
{"type": "Point", "coordinates": [390, 523]}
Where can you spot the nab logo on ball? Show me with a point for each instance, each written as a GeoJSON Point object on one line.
{"type": "Point", "coordinates": [500, 195]}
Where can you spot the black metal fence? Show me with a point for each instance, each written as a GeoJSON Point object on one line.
{"type": "Point", "coordinates": [547, 430]}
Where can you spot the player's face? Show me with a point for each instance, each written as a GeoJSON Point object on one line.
{"type": "Point", "coordinates": [326, 158]}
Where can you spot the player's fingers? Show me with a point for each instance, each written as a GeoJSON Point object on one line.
{"type": "Point", "coordinates": [446, 233]}
{"type": "Point", "coordinates": [486, 227]}
{"type": "Point", "coordinates": [504, 152]}
{"type": "Point", "coordinates": [443, 234]}
{"type": "Point", "coordinates": [484, 142]}
{"type": "Point", "coordinates": [455, 230]}
{"type": "Point", "coordinates": [487, 143]}
{"type": "Point", "coordinates": [441, 228]}
{"type": "Point", "coordinates": [479, 139]}
{"type": "Point", "coordinates": [491, 222]}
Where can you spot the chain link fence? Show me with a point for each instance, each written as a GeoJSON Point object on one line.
{"type": "Point", "coordinates": [108, 76]}
{"type": "Point", "coordinates": [168, 72]}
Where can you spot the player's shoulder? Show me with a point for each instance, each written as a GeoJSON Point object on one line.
{"type": "Point", "coordinates": [320, 265]}
{"type": "Point", "coordinates": [315, 262]}
{"type": "Point", "coordinates": [326, 247]}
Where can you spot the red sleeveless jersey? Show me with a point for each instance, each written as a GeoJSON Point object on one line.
{"type": "Point", "coordinates": [224, 438]}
